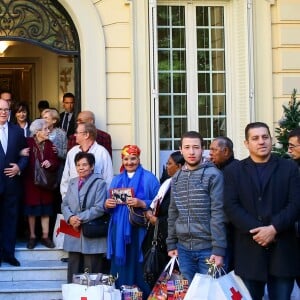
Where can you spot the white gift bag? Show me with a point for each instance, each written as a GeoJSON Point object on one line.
{"type": "Point", "coordinates": [199, 287]}
{"type": "Point", "coordinates": [73, 291]}
{"type": "Point", "coordinates": [229, 286]}
{"type": "Point", "coordinates": [58, 237]}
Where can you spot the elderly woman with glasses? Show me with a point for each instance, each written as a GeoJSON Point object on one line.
{"type": "Point", "coordinates": [124, 239]}
{"type": "Point", "coordinates": [38, 200]}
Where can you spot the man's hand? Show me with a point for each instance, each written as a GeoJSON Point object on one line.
{"type": "Point", "coordinates": [216, 260]}
{"type": "Point", "coordinates": [173, 253]}
{"type": "Point", "coordinates": [12, 171]}
{"type": "Point", "coordinates": [264, 235]}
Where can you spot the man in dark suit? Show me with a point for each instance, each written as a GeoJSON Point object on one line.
{"type": "Point", "coordinates": [103, 138]}
{"type": "Point", "coordinates": [261, 199]}
{"type": "Point", "coordinates": [67, 118]}
{"type": "Point", "coordinates": [11, 165]}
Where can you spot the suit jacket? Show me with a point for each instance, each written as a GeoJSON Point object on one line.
{"type": "Point", "coordinates": [249, 204]}
{"type": "Point", "coordinates": [72, 125]}
{"type": "Point", "coordinates": [72, 204]}
{"type": "Point", "coordinates": [15, 143]}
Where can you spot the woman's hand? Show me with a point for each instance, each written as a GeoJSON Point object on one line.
{"type": "Point", "coordinates": [25, 152]}
{"type": "Point", "coordinates": [46, 164]}
{"type": "Point", "coordinates": [110, 203]}
{"type": "Point", "coordinates": [150, 217]}
{"type": "Point", "coordinates": [75, 222]}
{"type": "Point", "coordinates": [135, 202]}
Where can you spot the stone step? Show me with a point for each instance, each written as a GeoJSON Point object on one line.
{"type": "Point", "coordinates": [40, 252]}
{"type": "Point", "coordinates": [29, 290]}
{"type": "Point", "coordinates": [34, 270]}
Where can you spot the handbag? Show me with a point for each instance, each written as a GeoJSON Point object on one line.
{"type": "Point", "coordinates": [153, 259]}
{"type": "Point", "coordinates": [42, 177]}
{"type": "Point", "coordinates": [171, 284]}
{"type": "Point", "coordinates": [98, 227]}
{"type": "Point", "coordinates": [137, 216]}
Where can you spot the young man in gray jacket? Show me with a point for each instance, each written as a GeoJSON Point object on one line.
{"type": "Point", "coordinates": [196, 222]}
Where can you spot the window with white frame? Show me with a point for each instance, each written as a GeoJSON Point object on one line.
{"type": "Point", "coordinates": [191, 72]}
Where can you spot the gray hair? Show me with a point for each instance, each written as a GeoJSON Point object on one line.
{"type": "Point", "coordinates": [37, 125]}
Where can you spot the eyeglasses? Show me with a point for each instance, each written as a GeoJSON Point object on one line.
{"type": "Point", "coordinates": [4, 110]}
{"type": "Point", "coordinates": [68, 102]}
{"type": "Point", "coordinates": [291, 146]}
{"type": "Point", "coordinates": [78, 132]}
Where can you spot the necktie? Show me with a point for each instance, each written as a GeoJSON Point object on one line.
{"type": "Point", "coordinates": [65, 122]}
{"type": "Point", "coordinates": [3, 138]}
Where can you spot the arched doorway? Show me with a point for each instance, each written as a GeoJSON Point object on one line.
{"type": "Point", "coordinates": [26, 26]}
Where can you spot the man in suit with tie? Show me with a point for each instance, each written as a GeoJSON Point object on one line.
{"type": "Point", "coordinates": [67, 118]}
{"type": "Point", "coordinates": [11, 166]}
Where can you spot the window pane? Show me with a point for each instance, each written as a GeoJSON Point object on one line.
{"type": "Point", "coordinates": [202, 16]}
{"type": "Point", "coordinates": [163, 60]}
{"type": "Point", "coordinates": [178, 18]}
{"type": "Point", "coordinates": [205, 127]}
{"type": "Point", "coordinates": [180, 107]}
{"type": "Point", "coordinates": [219, 127]}
{"type": "Point", "coordinates": [217, 16]}
{"type": "Point", "coordinates": [180, 126]}
{"type": "Point", "coordinates": [163, 38]}
{"type": "Point", "coordinates": [203, 60]}
{"type": "Point", "coordinates": [163, 15]}
{"type": "Point", "coordinates": [178, 35]}
{"type": "Point", "coordinates": [179, 60]}
{"type": "Point", "coordinates": [179, 82]}
{"type": "Point", "coordinates": [219, 105]}
{"type": "Point", "coordinates": [165, 128]}
{"type": "Point", "coordinates": [218, 83]}
{"type": "Point", "coordinates": [217, 38]}
{"type": "Point", "coordinates": [165, 145]}
{"type": "Point", "coordinates": [204, 105]}
{"type": "Point", "coordinates": [202, 38]}
{"type": "Point", "coordinates": [218, 63]}
{"type": "Point", "coordinates": [164, 105]}
{"type": "Point", "coordinates": [164, 81]}
{"type": "Point", "coordinates": [203, 83]}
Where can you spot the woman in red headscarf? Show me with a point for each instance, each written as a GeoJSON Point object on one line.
{"type": "Point", "coordinates": [125, 240]}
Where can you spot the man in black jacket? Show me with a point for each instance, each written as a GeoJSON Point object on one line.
{"type": "Point", "coordinates": [261, 199]}
{"type": "Point", "coordinates": [67, 118]}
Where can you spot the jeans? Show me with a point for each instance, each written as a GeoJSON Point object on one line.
{"type": "Point", "coordinates": [192, 261]}
{"type": "Point", "coordinates": [279, 288]}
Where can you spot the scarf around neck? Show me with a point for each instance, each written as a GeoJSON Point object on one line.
{"type": "Point", "coordinates": [120, 218]}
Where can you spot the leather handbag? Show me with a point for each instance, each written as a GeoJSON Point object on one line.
{"type": "Point", "coordinates": [137, 216]}
{"type": "Point", "coordinates": [98, 227]}
{"type": "Point", "coordinates": [42, 177]}
{"type": "Point", "coordinates": [152, 260]}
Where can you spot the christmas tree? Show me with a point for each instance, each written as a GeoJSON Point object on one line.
{"type": "Point", "coordinates": [289, 121]}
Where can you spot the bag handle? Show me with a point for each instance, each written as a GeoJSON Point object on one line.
{"type": "Point", "coordinates": [154, 240]}
{"type": "Point", "coordinates": [170, 265]}
{"type": "Point", "coordinates": [86, 194]}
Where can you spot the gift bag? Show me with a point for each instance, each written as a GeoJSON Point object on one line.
{"type": "Point", "coordinates": [58, 236]}
{"type": "Point", "coordinates": [199, 287]}
{"type": "Point", "coordinates": [229, 286]}
{"type": "Point", "coordinates": [73, 291]}
{"type": "Point", "coordinates": [131, 292]}
{"type": "Point", "coordinates": [171, 284]}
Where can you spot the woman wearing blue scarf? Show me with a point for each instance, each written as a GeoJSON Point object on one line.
{"type": "Point", "coordinates": [124, 247]}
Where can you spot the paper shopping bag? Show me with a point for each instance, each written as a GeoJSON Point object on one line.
{"type": "Point", "coordinates": [58, 236]}
{"type": "Point", "coordinates": [73, 291]}
{"type": "Point", "coordinates": [229, 286]}
{"type": "Point", "coordinates": [199, 287]}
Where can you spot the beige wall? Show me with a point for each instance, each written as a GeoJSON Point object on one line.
{"type": "Point", "coordinates": [286, 52]}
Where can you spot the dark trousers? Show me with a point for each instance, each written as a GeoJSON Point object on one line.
{"type": "Point", "coordinates": [279, 288]}
{"type": "Point", "coordinates": [79, 263]}
{"type": "Point", "coordinates": [8, 224]}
